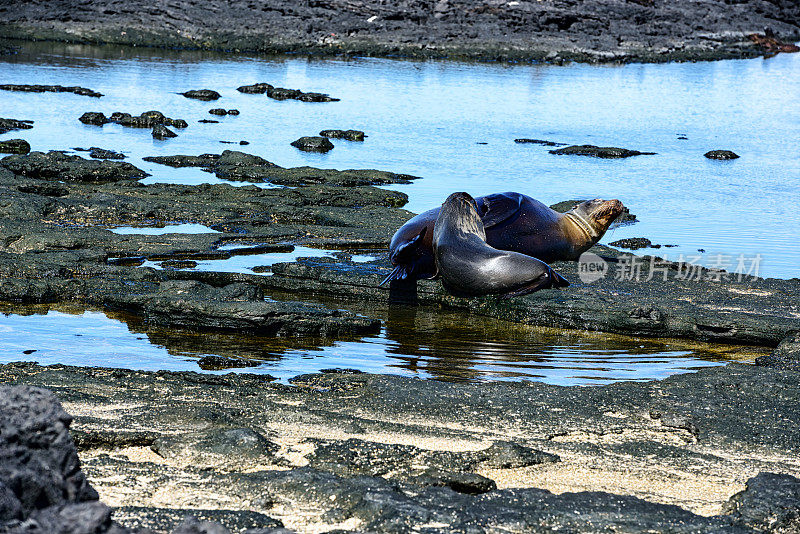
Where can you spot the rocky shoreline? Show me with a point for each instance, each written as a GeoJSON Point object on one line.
{"type": "Point", "coordinates": [713, 451]}
{"type": "Point", "coordinates": [526, 30]}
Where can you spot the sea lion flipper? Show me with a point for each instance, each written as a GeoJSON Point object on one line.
{"type": "Point", "coordinates": [398, 273]}
{"type": "Point", "coordinates": [406, 252]}
{"type": "Point", "coordinates": [548, 279]}
{"type": "Point", "coordinates": [404, 259]}
{"type": "Point", "coordinates": [500, 207]}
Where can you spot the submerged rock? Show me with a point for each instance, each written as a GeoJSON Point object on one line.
{"type": "Point", "coordinates": [203, 160]}
{"type": "Point", "coordinates": [7, 125]}
{"type": "Point", "coordinates": [721, 154]}
{"type": "Point", "coordinates": [102, 153]}
{"type": "Point", "coordinates": [316, 97]}
{"type": "Point", "coordinates": [349, 135]}
{"type": "Point", "coordinates": [15, 146]}
{"type": "Point", "coordinates": [55, 165]}
{"type": "Point", "coordinates": [313, 144]}
{"type": "Point", "coordinates": [538, 142]}
{"type": "Point", "coordinates": [220, 363]}
{"type": "Point", "coordinates": [234, 307]}
{"type": "Point", "coordinates": [605, 152]}
{"type": "Point", "coordinates": [255, 89]}
{"type": "Point", "coordinates": [162, 132]}
{"type": "Point", "coordinates": [94, 117]}
{"type": "Point", "coordinates": [83, 91]}
{"type": "Point", "coordinates": [202, 94]}
{"type": "Point", "coordinates": [179, 264]}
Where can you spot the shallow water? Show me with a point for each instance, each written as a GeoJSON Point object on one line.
{"type": "Point", "coordinates": [186, 228]}
{"type": "Point", "coordinates": [246, 262]}
{"type": "Point", "coordinates": [454, 125]}
{"type": "Point", "coordinates": [415, 341]}
{"type": "Point", "coordinates": [427, 118]}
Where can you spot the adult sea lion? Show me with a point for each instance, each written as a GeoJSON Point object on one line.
{"type": "Point", "coordinates": [512, 221]}
{"type": "Point", "coordinates": [468, 266]}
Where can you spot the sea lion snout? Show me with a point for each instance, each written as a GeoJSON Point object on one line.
{"type": "Point", "coordinates": [601, 212]}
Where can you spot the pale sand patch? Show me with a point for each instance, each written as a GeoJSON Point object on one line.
{"type": "Point", "coordinates": [104, 411]}
{"type": "Point", "coordinates": [141, 454]}
{"type": "Point", "coordinates": [703, 495]}
{"type": "Point", "coordinates": [755, 292]}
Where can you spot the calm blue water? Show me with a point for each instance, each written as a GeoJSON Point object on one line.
{"type": "Point", "coordinates": [427, 343]}
{"type": "Point", "coordinates": [426, 118]}
{"type": "Point", "coordinates": [454, 125]}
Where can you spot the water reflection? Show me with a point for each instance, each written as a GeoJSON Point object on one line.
{"type": "Point", "coordinates": [416, 341]}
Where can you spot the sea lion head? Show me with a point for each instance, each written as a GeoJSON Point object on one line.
{"type": "Point", "coordinates": [594, 217]}
{"type": "Point", "coordinates": [461, 213]}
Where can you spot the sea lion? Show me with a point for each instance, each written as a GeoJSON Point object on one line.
{"type": "Point", "coordinates": [468, 266]}
{"type": "Point", "coordinates": [512, 221]}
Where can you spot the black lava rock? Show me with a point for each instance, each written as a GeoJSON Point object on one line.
{"type": "Point", "coordinates": [255, 89]}
{"type": "Point", "coordinates": [15, 146]}
{"type": "Point", "coordinates": [39, 466]}
{"type": "Point", "coordinates": [770, 503]}
{"type": "Point", "coordinates": [721, 154]}
{"type": "Point", "coordinates": [59, 166]}
{"type": "Point", "coordinates": [83, 91]}
{"type": "Point", "coordinates": [349, 135]}
{"type": "Point", "coordinates": [605, 152]}
{"type": "Point", "coordinates": [219, 363]}
{"type": "Point", "coordinates": [281, 93]}
{"type": "Point", "coordinates": [313, 144]}
{"type": "Point", "coordinates": [202, 94]}
{"type": "Point", "coordinates": [6, 125]}
{"type": "Point", "coordinates": [102, 153]}
{"type": "Point", "coordinates": [148, 119]}
{"type": "Point", "coordinates": [221, 111]}
{"type": "Point", "coordinates": [634, 243]}
{"type": "Point", "coordinates": [94, 117]}
{"type": "Point", "coordinates": [162, 132]}
{"type": "Point", "coordinates": [538, 142]}
{"type": "Point", "coordinates": [786, 356]}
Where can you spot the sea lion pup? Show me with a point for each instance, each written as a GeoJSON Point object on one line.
{"type": "Point", "coordinates": [512, 221]}
{"type": "Point", "coordinates": [468, 266]}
